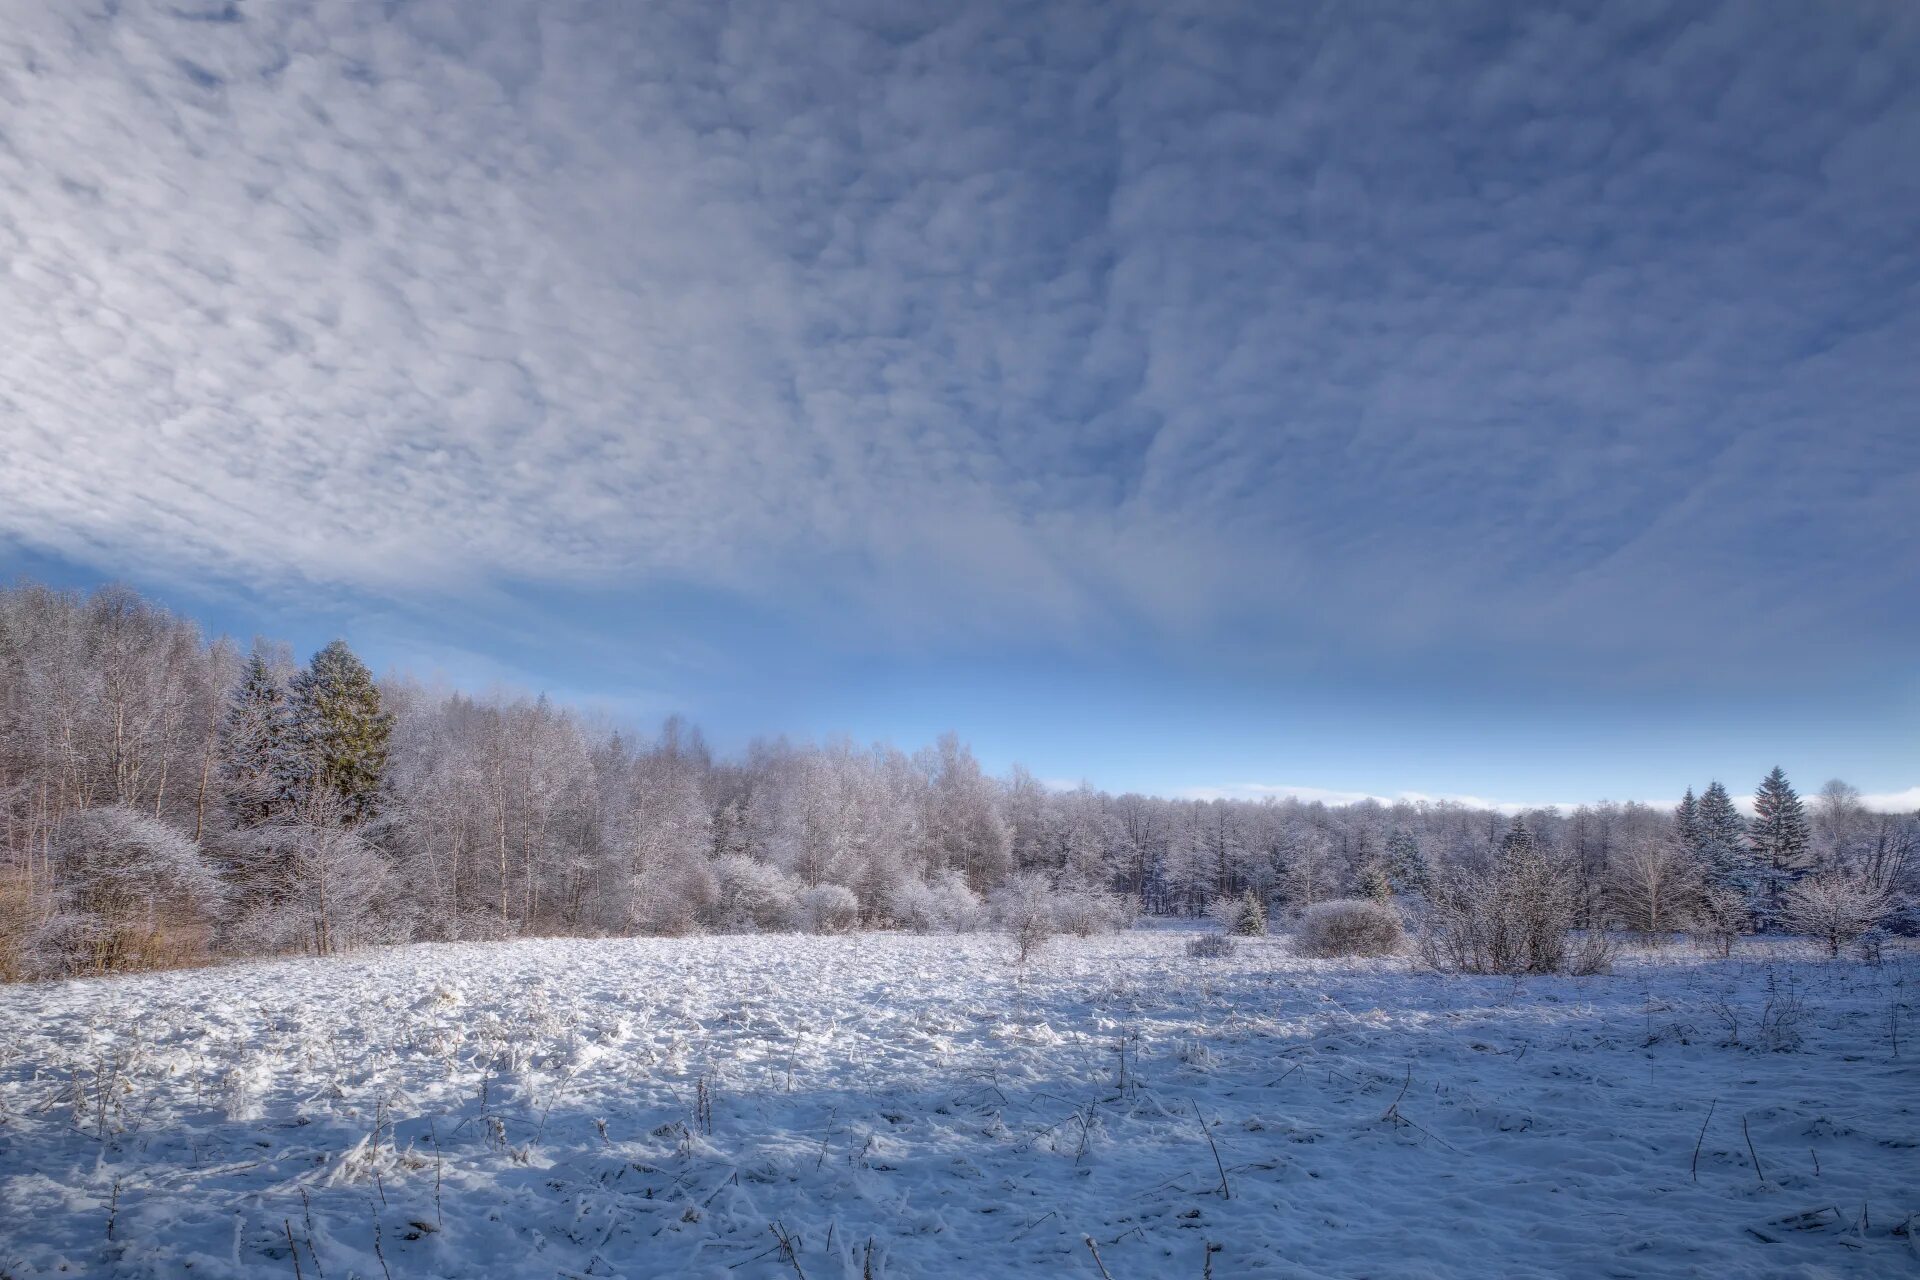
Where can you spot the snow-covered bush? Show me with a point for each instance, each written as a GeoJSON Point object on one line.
{"type": "Point", "coordinates": [942, 905]}
{"type": "Point", "coordinates": [828, 908]}
{"type": "Point", "coordinates": [316, 886]}
{"type": "Point", "coordinates": [1085, 911]}
{"type": "Point", "coordinates": [1349, 927]}
{"type": "Point", "coordinates": [1029, 897]}
{"type": "Point", "coordinates": [137, 894]}
{"type": "Point", "coordinates": [1516, 917]}
{"type": "Point", "coordinates": [672, 900]}
{"type": "Point", "coordinates": [1024, 908]}
{"type": "Point", "coordinates": [753, 895]}
{"type": "Point", "coordinates": [1837, 908]}
{"type": "Point", "coordinates": [1243, 917]}
{"type": "Point", "coordinates": [1720, 915]}
{"type": "Point", "coordinates": [1211, 946]}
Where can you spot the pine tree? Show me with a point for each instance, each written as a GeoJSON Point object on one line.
{"type": "Point", "coordinates": [1373, 883]}
{"type": "Point", "coordinates": [341, 730]}
{"type": "Point", "coordinates": [1518, 848]}
{"type": "Point", "coordinates": [1406, 868]}
{"type": "Point", "coordinates": [1253, 916]}
{"type": "Point", "coordinates": [1686, 822]}
{"type": "Point", "coordinates": [258, 764]}
{"type": "Point", "coordinates": [1780, 844]}
{"type": "Point", "coordinates": [1720, 842]}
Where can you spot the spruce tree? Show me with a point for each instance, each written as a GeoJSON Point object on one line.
{"type": "Point", "coordinates": [258, 765]}
{"type": "Point", "coordinates": [1780, 843]}
{"type": "Point", "coordinates": [1720, 841]}
{"type": "Point", "coordinates": [1252, 921]}
{"type": "Point", "coordinates": [1406, 865]}
{"type": "Point", "coordinates": [1686, 822]}
{"type": "Point", "coordinates": [1518, 847]}
{"type": "Point", "coordinates": [1374, 884]}
{"type": "Point", "coordinates": [342, 731]}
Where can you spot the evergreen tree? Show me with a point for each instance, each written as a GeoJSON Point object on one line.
{"type": "Point", "coordinates": [1373, 883]}
{"type": "Point", "coordinates": [342, 730]}
{"type": "Point", "coordinates": [1518, 848]}
{"type": "Point", "coordinates": [1720, 842]}
{"type": "Point", "coordinates": [1252, 922]}
{"type": "Point", "coordinates": [258, 761]}
{"type": "Point", "coordinates": [1780, 844]}
{"type": "Point", "coordinates": [1406, 868]}
{"type": "Point", "coordinates": [1686, 822]}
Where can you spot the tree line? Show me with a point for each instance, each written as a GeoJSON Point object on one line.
{"type": "Point", "coordinates": [165, 798]}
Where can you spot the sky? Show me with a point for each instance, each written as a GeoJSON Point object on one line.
{"type": "Point", "coordinates": [1483, 400]}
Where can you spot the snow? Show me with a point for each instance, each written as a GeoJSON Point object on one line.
{"type": "Point", "coordinates": [535, 1109]}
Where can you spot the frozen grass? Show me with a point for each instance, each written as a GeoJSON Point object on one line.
{"type": "Point", "coordinates": [910, 1106]}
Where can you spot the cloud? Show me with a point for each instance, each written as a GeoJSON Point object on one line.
{"type": "Point", "coordinates": [1907, 801]}
{"type": "Point", "coordinates": [1324, 795]}
{"type": "Point", "coordinates": [1569, 333]}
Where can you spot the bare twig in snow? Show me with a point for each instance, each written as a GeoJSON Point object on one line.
{"type": "Point", "coordinates": [1702, 1138]}
{"type": "Point", "coordinates": [1226, 1193]}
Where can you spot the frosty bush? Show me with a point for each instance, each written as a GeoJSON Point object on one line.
{"type": "Point", "coordinates": [314, 885]}
{"type": "Point", "coordinates": [1024, 907]}
{"type": "Point", "coordinates": [1837, 908]}
{"type": "Point", "coordinates": [1349, 927]}
{"type": "Point", "coordinates": [1085, 910]}
{"type": "Point", "coordinates": [828, 908]}
{"type": "Point", "coordinates": [672, 900]}
{"type": "Point", "coordinates": [1210, 946]}
{"type": "Point", "coordinates": [1243, 917]}
{"type": "Point", "coordinates": [1516, 917]}
{"type": "Point", "coordinates": [753, 895]}
{"type": "Point", "coordinates": [943, 905]}
{"type": "Point", "coordinates": [138, 895]}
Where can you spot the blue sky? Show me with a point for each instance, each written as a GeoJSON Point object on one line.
{"type": "Point", "coordinates": [1488, 400]}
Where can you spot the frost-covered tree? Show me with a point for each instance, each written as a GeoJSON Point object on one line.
{"type": "Point", "coordinates": [1842, 828]}
{"type": "Point", "coordinates": [318, 885]}
{"type": "Point", "coordinates": [341, 730]}
{"type": "Point", "coordinates": [1686, 822]}
{"type": "Point", "coordinates": [1655, 885]}
{"type": "Point", "coordinates": [1720, 844]}
{"type": "Point", "coordinates": [1406, 867]}
{"type": "Point", "coordinates": [962, 828]}
{"type": "Point", "coordinates": [260, 765]}
{"type": "Point", "coordinates": [1780, 840]}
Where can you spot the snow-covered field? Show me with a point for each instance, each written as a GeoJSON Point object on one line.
{"type": "Point", "coordinates": [780, 1106]}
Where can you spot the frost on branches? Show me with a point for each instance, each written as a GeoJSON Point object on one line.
{"type": "Point", "coordinates": [165, 800]}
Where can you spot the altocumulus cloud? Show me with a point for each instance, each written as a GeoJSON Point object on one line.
{"type": "Point", "coordinates": [1591, 322]}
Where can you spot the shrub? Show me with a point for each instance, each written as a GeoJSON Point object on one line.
{"type": "Point", "coordinates": [1349, 927]}
{"type": "Point", "coordinates": [1515, 918]}
{"type": "Point", "coordinates": [828, 908]}
{"type": "Point", "coordinates": [753, 895]}
{"type": "Point", "coordinates": [138, 895]}
{"type": "Point", "coordinates": [1837, 908]}
{"type": "Point", "coordinates": [1211, 946]}
{"type": "Point", "coordinates": [1086, 911]}
{"type": "Point", "coordinates": [1024, 907]}
{"type": "Point", "coordinates": [942, 905]}
{"type": "Point", "coordinates": [1243, 917]}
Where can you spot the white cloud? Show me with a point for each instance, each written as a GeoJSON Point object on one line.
{"type": "Point", "coordinates": [1324, 795]}
{"type": "Point", "coordinates": [1064, 321]}
{"type": "Point", "coordinates": [1907, 801]}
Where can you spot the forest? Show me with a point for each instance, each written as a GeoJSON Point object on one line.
{"type": "Point", "coordinates": [170, 799]}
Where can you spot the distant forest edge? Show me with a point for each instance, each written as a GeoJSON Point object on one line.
{"type": "Point", "coordinates": [169, 799]}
